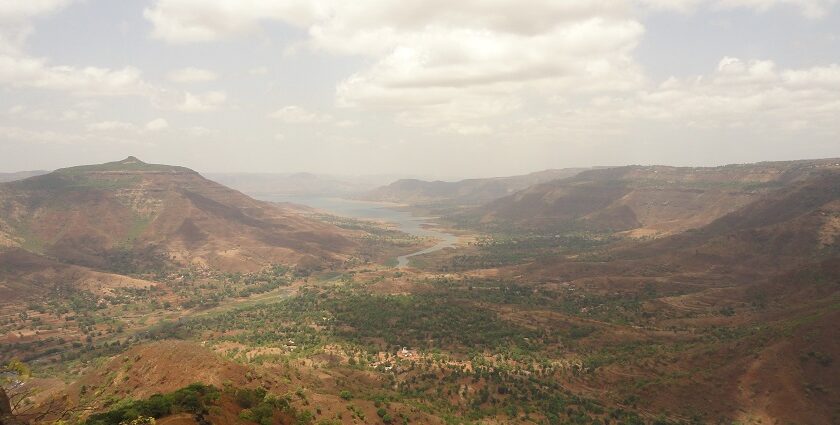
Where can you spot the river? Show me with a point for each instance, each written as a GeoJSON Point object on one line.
{"type": "Point", "coordinates": [378, 211]}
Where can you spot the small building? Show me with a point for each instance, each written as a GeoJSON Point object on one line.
{"type": "Point", "coordinates": [405, 353]}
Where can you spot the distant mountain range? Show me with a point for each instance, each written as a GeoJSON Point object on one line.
{"type": "Point", "coordinates": [469, 191]}
{"type": "Point", "coordinates": [20, 175]}
{"type": "Point", "coordinates": [299, 184]}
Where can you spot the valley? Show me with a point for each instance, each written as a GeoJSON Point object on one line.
{"type": "Point", "coordinates": [631, 295]}
{"type": "Point", "coordinates": [388, 214]}
{"type": "Point", "coordinates": [379, 212]}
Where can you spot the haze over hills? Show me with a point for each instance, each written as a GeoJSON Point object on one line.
{"type": "Point", "coordinates": [299, 184]}
{"type": "Point", "coordinates": [20, 175]}
{"type": "Point", "coordinates": [463, 192]}
{"type": "Point", "coordinates": [643, 200]}
{"type": "Point", "coordinates": [129, 215]}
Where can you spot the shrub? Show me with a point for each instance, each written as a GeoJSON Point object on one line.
{"type": "Point", "coordinates": [194, 398]}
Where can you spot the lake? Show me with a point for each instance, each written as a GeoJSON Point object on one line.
{"type": "Point", "coordinates": [379, 211]}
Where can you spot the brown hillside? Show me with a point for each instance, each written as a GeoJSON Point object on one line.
{"type": "Point", "coordinates": [644, 201]}
{"type": "Point", "coordinates": [778, 232]}
{"type": "Point", "coordinates": [129, 214]}
{"type": "Point", "coordinates": [162, 367]}
{"type": "Point", "coordinates": [782, 229]}
{"type": "Point", "coordinates": [755, 296]}
{"type": "Point", "coordinates": [27, 276]}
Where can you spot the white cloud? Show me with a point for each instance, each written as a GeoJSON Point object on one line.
{"type": "Point", "coordinates": [16, 16]}
{"type": "Point", "coordinates": [260, 70]}
{"type": "Point", "coordinates": [75, 114]}
{"type": "Point", "coordinates": [471, 130]}
{"type": "Point", "coordinates": [199, 131]}
{"type": "Point", "coordinates": [468, 68]}
{"type": "Point", "coordinates": [442, 77]}
{"type": "Point", "coordinates": [827, 77]}
{"type": "Point", "coordinates": [27, 72]}
{"type": "Point", "coordinates": [123, 127]}
{"type": "Point", "coordinates": [192, 75]}
{"type": "Point", "coordinates": [456, 67]}
{"type": "Point", "coordinates": [94, 137]}
{"type": "Point", "coordinates": [23, 71]}
{"type": "Point", "coordinates": [460, 66]}
{"type": "Point", "coordinates": [19, 10]}
{"type": "Point", "coordinates": [112, 126]}
{"type": "Point", "coordinates": [813, 9]}
{"type": "Point", "coordinates": [157, 124]}
{"type": "Point", "coordinates": [752, 96]}
{"type": "Point", "coordinates": [202, 102]}
{"type": "Point", "coordinates": [294, 114]}
{"type": "Point", "coordinates": [810, 8]}
{"type": "Point", "coordinates": [186, 21]}
{"type": "Point", "coordinates": [23, 112]}
{"type": "Point", "coordinates": [25, 135]}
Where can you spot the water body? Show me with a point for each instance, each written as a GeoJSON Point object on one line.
{"type": "Point", "coordinates": [379, 211]}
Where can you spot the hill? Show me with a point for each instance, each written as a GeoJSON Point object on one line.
{"type": "Point", "coordinates": [128, 215]}
{"type": "Point", "coordinates": [746, 302]}
{"type": "Point", "coordinates": [800, 220]}
{"type": "Point", "coordinates": [463, 192]}
{"type": "Point", "coordinates": [642, 200]}
{"type": "Point", "coordinates": [783, 230]}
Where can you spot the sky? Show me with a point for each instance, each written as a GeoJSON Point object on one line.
{"type": "Point", "coordinates": [442, 89]}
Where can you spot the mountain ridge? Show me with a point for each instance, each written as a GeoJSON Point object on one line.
{"type": "Point", "coordinates": [642, 200]}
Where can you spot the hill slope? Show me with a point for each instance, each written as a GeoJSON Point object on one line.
{"type": "Point", "coordinates": [765, 274]}
{"type": "Point", "coordinates": [126, 215]}
{"type": "Point", "coordinates": [800, 222]}
{"type": "Point", "coordinates": [643, 200]}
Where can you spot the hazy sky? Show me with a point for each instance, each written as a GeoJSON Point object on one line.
{"type": "Point", "coordinates": [425, 87]}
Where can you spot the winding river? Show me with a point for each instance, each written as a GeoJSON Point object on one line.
{"type": "Point", "coordinates": [378, 211]}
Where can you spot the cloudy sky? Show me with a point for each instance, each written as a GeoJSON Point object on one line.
{"type": "Point", "coordinates": [424, 87]}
